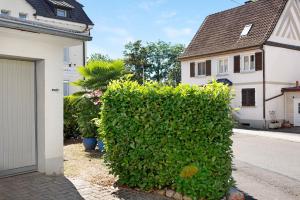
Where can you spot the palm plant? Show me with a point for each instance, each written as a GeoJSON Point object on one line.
{"type": "Point", "coordinates": [98, 73]}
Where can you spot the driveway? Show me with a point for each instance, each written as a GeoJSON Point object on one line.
{"type": "Point", "coordinates": [267, 167]}
{"type": "Point", "coordinates": [36, 186]}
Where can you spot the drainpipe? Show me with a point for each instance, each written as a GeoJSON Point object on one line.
{"type": "Point", "coordinates": [83, 53]}
{"type": "Point", "coordinates": [264, 87]}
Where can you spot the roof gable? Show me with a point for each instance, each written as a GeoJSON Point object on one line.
{"type": "Point", "coordinates": [45, 8]}
{"type": "Point", "coordinates": [221, 31]}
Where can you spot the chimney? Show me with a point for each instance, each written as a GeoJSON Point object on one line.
{"type": "Point", "coordinates": [297, 83]}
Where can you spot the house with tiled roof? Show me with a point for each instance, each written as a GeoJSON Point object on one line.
{"type": "Point", "coordinates": [255, 49]}
{"type": "Point", "coordinates": [34, 34]}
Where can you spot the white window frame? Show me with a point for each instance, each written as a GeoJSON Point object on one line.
{"type": "Point", "coordinates": [23, 16]}
{"type": "Point", "coordinates": [60, 11]}
{"type": "Point", "coordinates": [222, 68]}
{"type": "Point", "coordinates": [203, 63]}
{"type": "Point", "coordinates": [5, 12]}
{"type": "Point", "coordinates": [66, 88]}
{"type": "Point", "coordinates": [251, 64]}
{"type": "Point", "coordinates": [246, 30]}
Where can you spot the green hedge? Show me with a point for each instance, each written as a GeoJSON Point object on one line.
{"type": "Point", "coordinates": [159, 136]}
{"type": "Point", "coordinates": [70, 118]}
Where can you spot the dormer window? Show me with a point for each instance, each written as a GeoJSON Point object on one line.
{"type": "Point", "coordinates": [246, 30]}
{"type": "Point", "coordinates": [5, 12]}
{"type": "Point", "coordinates": [61, 13]}
{"type": "Point", "coordinates": [23, 16]}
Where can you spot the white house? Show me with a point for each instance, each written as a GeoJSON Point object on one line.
{"type": "Point", "coordinates": [74, 57]}
{"type": "Point", "coordinates": [33, 36]}
{"type": "Point", "coordinates": [255, 48]}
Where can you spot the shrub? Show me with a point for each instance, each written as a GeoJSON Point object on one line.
{"type": "Point", "coordinates": [70, 118]}
{"type": "Point", "coordinates": [159, 136]}
{"type": "Point", "coordinates": [88, 111]}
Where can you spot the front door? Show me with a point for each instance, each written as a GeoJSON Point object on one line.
{"type": "Point", "coordinates": [296, 112]}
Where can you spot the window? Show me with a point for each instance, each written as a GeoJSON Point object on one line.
{"type": "Point", "coordinates": [248, 63]}
{"type": "Point", "coordinates": [298, 108]}
{"type": "Point", "coordinates": [5, 12]}
{"type": "Point", "coordinates": [246, 30]}
{"type": "Point", "coordinates": [66, 55]}
{"type": "Point", "coordinates": [66, 88]}
{"type": "Point", "coordinates": [248, 97]}
{"type": "Point", "coordinates": [61, 13]}
{"type": "Point", "coordinates": [223, 66]}
{"type": "Point", "coordinates": [201, 70]}
{"type": "Point", "coordinates": [23, 16]}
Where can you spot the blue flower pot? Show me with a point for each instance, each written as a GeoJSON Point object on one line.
{"type": "Point", "coordinates": [100, 145]}
{"type": "Point", "coordinates": [89, 143]}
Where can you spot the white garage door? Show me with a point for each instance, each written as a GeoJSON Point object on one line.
{"type": "Point", "coordinates": [17, 117]}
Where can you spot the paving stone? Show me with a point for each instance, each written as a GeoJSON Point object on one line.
{"type": "Point", "coordinates": [36, 186]}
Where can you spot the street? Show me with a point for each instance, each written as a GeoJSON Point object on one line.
{"type": "Point", "coordinates": [267, 168]}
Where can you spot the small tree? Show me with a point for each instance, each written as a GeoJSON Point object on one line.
{"type": "Point", "coordinates": [96, 76]}
{"type": "Point", "coordinates": [98, 73]}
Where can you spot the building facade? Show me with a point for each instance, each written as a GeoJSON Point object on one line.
{"type": "Point", "coordinates": [255, 49]}
{"type": "Point", "coordinates": [33, 36]}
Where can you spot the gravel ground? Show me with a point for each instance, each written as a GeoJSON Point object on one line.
{"type": "Point", "coordinates": [90, 176]}
{"type": "Point", "coordinates": [87, 166]}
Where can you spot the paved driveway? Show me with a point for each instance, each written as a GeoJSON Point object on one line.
{"type": "Point", "coordinates": [266, 165]}
{"type": "Point", "coordinates": [36, 186]}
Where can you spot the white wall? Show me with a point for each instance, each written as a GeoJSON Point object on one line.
{"type": "Point", "coordinates": [48, 52]}
{"type": "Point", "coordinates": [287, 30]}
{"type": "Point", "coordinates": [240, 81]}
{"type": "Point", "coordinates": [282, 71]}
{"type": "Point", "coordinates": [21, 6]}
{"type": "Point", "coordinates": [16, 7]}
{"type": "Point", "coordinates": [70, 69]}
{"type": "Point", "coordinates": [289, 106]}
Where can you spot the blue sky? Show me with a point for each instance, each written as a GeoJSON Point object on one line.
{"type": "Point", "coordinates": [118, 22]}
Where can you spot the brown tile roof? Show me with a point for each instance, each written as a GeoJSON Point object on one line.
{"type": "Point", "coordinates": [221, 31]}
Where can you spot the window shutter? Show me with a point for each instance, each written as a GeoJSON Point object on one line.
{"type": "Point", "coordinates": [248, 97]}
{"type": "Point", "coordinates": [251, 97]}
{"type": "Point", "coordinates": [244, 98]}
{"type": "Point", "coordinates": [192, 69]}
{"type": "Point", "coordinates": [208, 68]}
{"type": "Point", "coordinates": [237, 64]}
{"type": "Point", "coordinates": [258, 61]}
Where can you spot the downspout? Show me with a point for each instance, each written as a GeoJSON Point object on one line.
{"type": "Point", "coordinates": [264, 87]}
{"type": "Point", "coordinates": [83, 53]}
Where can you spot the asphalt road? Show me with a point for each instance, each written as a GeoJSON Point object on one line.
{"type": "Point", "coordinates": [267, 168]}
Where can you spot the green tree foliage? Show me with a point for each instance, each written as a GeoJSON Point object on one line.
{"type": "Point", "coordinates": [96, 76]}
{"type": "Point", "coordinates": [98, 73]}
{"type": "Point", "coordinates": [99, 57]}
{"type": "Point", "coordinates": [71, 128]}
{"type": "Point", "coordinates": [159, 136]}
{"type": "Point", "coordinates": [136, 56]}
{"type": "Point", "coordinates": [159, 59]}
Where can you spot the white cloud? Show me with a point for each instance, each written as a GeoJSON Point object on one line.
{"type": "Point", "coordinates": [165, 17]}
{"type": "Point", "coordinates": [176, 33]}
{"type": "Point", "coordinates": [149, 4]}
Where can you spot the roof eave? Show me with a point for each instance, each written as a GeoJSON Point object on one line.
{"type": "Point", "coordinates": [39, 29]}
{"type": "Point", "coordinates": [185, 58]}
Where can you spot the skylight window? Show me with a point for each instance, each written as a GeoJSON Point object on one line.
{"type": "Point", "coordinates": [61, 13]}
{"type": "Point", "coordinates": [246, 30]}
{"type": "Point", "coordinates": [23, 16]}
{"type": "Point", "coordinates": [5, 12]}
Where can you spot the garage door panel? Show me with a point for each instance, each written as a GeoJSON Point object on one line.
{"type": "Point", "coordinates": [17, 115]}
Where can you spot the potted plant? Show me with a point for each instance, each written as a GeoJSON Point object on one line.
{"type": "Point", "coordinates": [88, 111]}
{"type": "Point", "coordinates": [274, 124]}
